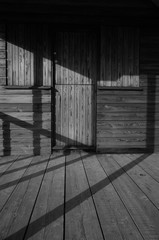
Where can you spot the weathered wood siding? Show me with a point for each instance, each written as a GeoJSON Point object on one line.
{"type": "Point", "coordinates": [29, 55]}
{"type": "Point", "coordinates": [75, 80]}
{"type": "Point", "coordinates": [2, 55]}
{"type": "Point", "coordinates": [129, 119]}
{"type": "Point", "coordinates": [119, 57]}
{"type": "Point", "coordinates": [25, 114]}
{"type": "Point", "coordinates": [25, 121]}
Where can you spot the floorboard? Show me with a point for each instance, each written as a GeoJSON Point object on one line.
{"type": "Point", "coordinates": [79, 196]}
{"type": "Point", "coordinates": [47, 219]}
{"type": "Point", "coordinates": [17, 211]}
{"type": "Point", "coordinates": [114, 218]}
{"type": "Point", "coordinates": [144, 181]}
{"type": "Point", "coordinates": [81, 221]}
{"type": "Point", "coordinates": [142, 211]}
{"type": "Point", "coordinates": [11, 177]}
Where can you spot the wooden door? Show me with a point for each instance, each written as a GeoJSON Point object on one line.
{"type": "Point", "coordinates": [75, 84]}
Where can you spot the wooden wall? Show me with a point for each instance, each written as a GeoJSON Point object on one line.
{"type": "Point", "coordinates": [127, 90]}
{"type": "Point", "coordinates": [119, 57]}
{"type": "Point", "coordinates": [29, 54]}
{"type": "Point", "coordinates": [2, 55]}
{"type": "Point", "coordinates": [128, 119]}
{"type": "Point", "coordinates": [25, 121]}
{"type": "Point", "coordinates": [75, 85]}
{"type": "Point", "coordinates": [25, 103]}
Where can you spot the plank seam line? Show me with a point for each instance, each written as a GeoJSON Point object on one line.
{"type": "Point", "coordinates": [8, 230]}
{"type": "Point", "coordinates": [136, 183]}
{"type": "Point", "coordinates": [64, 209]}
{"type": "Point", "coordinates": [36, 198]}
{"type": "Point", "coordinates": [100, 225]}
{"type": "Point", "coordinates": [146, 171]}
{"type": "Point", "coordinates": [111, 182]}
{"type": "Point", "coordinates": [9, 166]}
{"type": "Point", "coordinates": [16, 185]}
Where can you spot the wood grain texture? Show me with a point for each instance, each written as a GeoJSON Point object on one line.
{"type": "Point", "coordinates": [130, 119]}
{"type": "Point", "coordinates": [119, 57]}
{"type": "Point", "coordinates": [3, 55]}
{"type": "Point", "coordinates": [127, 190]}
{"type": "Point", "coordinates": [110, 208]}
{"type": "Point", "coordinates": [29, 55]}
{"type": "Point", "coordinates": [25, 121]}
{"type": "Point", "coordinates": [81, 220]}
{"type": "Point", "coordinates": [75, 92]}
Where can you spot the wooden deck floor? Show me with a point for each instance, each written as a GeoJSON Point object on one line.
{"type": "Point", "coordinates": [80, 195]}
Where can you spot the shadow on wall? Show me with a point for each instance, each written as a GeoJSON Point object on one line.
{"type": "Point", "coordinates": [77, 65]}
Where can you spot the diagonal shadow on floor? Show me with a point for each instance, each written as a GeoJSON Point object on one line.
{"type": "Point", "coordinates": [52, 216]}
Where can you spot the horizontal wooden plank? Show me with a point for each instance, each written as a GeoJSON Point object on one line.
{"type": "Point", "coordinates": [130, 107]}
{"type": "Point", "coordinates": [2, 44]}
{"type": "Point", "coordinates": [17, 90]}
{"type": "Point", "coordinates": [25, 99]}
{"type": "Point", "coordinates": [2, 72]}
{"type": "Point", "coordinates": [25, 116]}
{"type": "Point", "coordinates": [128, 99]}
{"type": "Point", "coordinates": [142, 132]}
{"type": "Point", "coordinates": [127, 124]}
{"type": "Point", "coordinates": [120, 141]}
{"type": "Point", "coordinates": [25, 150]}
{"type": "Point", "coordinates": [3, 81]}
{"type": "Point", "coordinates": [28, 141]}
{"type": "Point", "coordinates": [29, 125]}
{"type": "Point", "coordinates": [25, 107]}
{"type": "Point", "coordinates": [2, 54]}
{"type": "Point", "coordinates": [125, 116]}
{"type": "Point", "coordinates": [2, 63]}
{"type": "Point", "coordinates": [11, 136]}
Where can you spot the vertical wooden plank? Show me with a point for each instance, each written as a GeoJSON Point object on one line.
{"type": "Point", "coordinates": [76, 115]}
{"type": "Point", "coordinates": [14, 73]}
{"type": "Point", "coordinates": [27, 56]}
{"type": "Point", "coordinates": [120, 56]}
{"type": "Point", "coordinates": [49, 55]}
{"type": "Point", "coordinates": [124, 58]}
{"type": "Point", "coordinates": [32, 56]}
{"type": "Point", "coordinates": [58, 115]}
{"type": "Point", "coordinates": [114, 57]}
{"type": "Point", "coordinates": [71, 115]}
{"type": "Point", "coordinates": [10, 53]}
{"type": "Point", "coordinates": [82, 115]}
{"type": "Point", "coordinates": [131, 55]}
{"type": "Point", "coordinates": [65, 114]}
{"type": "Point", "coordinates": [106, 48]}
{"type": "Point", "coordinates": [77, 64]}
{"type": "Point", "coordinates": [39, 56]}
{"type": "Point", "coordinates": [136, 57]}
{"type": "Point", "coordinates": [21, 54]}
{"type": "Point", "coordinates": [102, 59]}
{"type": "Point", "coordinates": [16, 55]}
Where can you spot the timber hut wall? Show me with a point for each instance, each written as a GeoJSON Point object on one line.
{"type": "Point", "coordinates": [127, 89]}
{"type": "Point", "coordinates": [25, 101]}
{"type": "Point", "coordinates": [127, 116]}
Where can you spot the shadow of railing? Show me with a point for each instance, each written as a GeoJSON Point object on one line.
{"type": "Point", "coordinates": [37, 131]}
{"type": "Point", "coordinates": [43, 221]}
